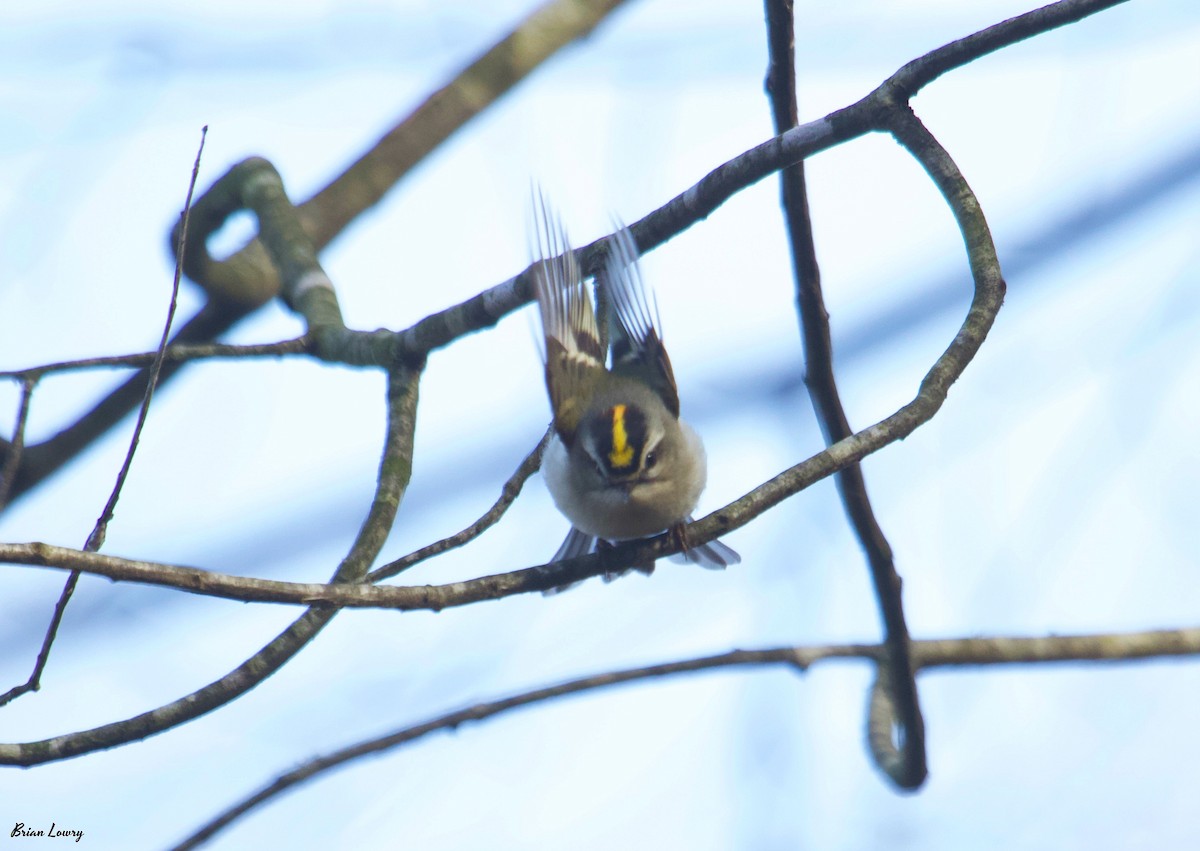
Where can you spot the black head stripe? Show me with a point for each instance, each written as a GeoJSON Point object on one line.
{"type": "Point", "coordinates": [619, 437]}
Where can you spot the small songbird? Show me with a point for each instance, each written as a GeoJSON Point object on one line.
{"type": "Point", "coordinates": [621, 464]}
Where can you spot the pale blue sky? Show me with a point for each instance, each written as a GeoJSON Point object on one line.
{"type": "Point", "coordinates": [1053, 493]}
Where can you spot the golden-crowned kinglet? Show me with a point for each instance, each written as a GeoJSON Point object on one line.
{"type": "Point", "coordinates": [621, 463]}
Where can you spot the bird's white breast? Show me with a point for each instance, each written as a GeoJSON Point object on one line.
{"type": "Point", "coordinates": [615, 514]}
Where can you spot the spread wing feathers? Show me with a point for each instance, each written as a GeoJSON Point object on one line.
{"type": "Point", "coordinates": [636, 340]}
{"type": "Point", "coordinates": [574, 357]}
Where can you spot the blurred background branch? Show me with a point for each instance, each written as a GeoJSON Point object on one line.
{"type": "Point", "coordinates": [245, 281]}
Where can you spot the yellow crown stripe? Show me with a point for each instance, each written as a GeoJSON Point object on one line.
{"type": "Point", "coordinates": [622, 453]}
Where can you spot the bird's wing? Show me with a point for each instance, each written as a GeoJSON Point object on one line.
{"type": "Point", "coordinates": [637, 345]}
{"type": "Point", "coordinates": [574, 356]}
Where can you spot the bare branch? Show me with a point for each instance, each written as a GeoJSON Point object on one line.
{"type": "Point", "coordinates": [248, 277]}
{"type": "Point", "coordinates": [394, 474]}
{"type": "Point", "coordinates": [255, 185]}
{"type": "Point", "coordinates": [335, 594]}
{"type": "Point", "coordinates": [202, 351]}
{"type": "Point", "coordinates": [39, 663]}
{"type": "Point", "coordinates": [46, 458]}
{"type": "Point", "coordinates": [508, 494]}
{"type": "Point", "coordinates": [96, 539]}
{"type": "Point", "coordinates": [921, 72]}
{"type": "Point", "coordinates": [898, 703]}
{"type": "Point", "coordinates": [931, 654]}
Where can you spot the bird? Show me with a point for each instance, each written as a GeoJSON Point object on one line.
{"type": "Point", "coordinates": [620, 464]}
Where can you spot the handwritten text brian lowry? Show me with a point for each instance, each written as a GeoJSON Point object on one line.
{"type": "Point", "coordinates": [19, 829]}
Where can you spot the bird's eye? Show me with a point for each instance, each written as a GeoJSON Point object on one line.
{"type": "Point", "coordinates": [651, 459]}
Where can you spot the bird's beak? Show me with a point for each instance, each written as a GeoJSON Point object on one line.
{"type": "Point", "coordinates": [624, 488]}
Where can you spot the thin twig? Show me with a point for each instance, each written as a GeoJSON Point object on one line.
{"type": "Point", "coordinates": [173, 353]}
{"type": "Point", "coordinates": [44, 459]}
{"type": "Point", "coordinates": [508, 494]}
{"type": "Point", "coordinates": [7, 475]}
{"type": "Point", "coordinates": [39, 664]}
{"type": "Point", "coordinates": [96, 538]}
{"type": "Point", "coordinates": [931, 653]}
{"type": "Point", "coordinates": [919, 73]}
{"type": "Point", "coordinates": [897, 704]}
